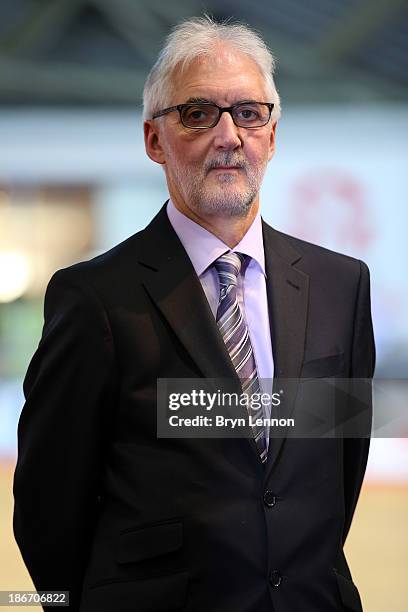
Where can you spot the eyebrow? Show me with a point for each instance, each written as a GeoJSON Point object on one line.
{"type": "Point", "coordinates": [199, 101]}
{"type": "Point", "coordinates": [206, 101]}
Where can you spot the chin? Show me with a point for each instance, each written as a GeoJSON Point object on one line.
{"type": "Point", "coordinates": [226, 179]}
{"type": "Point", "coordinates": [226, 205]}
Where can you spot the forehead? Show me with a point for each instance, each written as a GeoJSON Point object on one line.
{"type": "Point", "coordinates": [224, 76]}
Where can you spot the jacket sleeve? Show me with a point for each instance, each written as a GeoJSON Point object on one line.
{"type": "Point", "coordinates": [69, 389]}
{"type": "Point", "coordinates": [362, 370]}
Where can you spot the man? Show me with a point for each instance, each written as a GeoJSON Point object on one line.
{"type": "Point", "coordinates": [126, 520]}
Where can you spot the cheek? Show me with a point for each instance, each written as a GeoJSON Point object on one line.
{"type": "Point", "coordinates": [194, 146]}
{"type": "Point", "coordinates": [185, 153]}
{"type": "Point", "coordinates": [257, 156]}
{"type": "Point", "coordinates": [257, 148]}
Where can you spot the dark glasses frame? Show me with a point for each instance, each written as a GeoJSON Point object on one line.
{"type": "Point", "coordinates": [221, 109]}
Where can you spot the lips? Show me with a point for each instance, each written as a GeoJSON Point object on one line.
{"type": "Point", "coordinates": [226, 168]}
{"type": "Point", "coordinates": [226, 165]}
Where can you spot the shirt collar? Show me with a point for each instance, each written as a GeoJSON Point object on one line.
{"type": "Point", "coordinates": [203, 248]}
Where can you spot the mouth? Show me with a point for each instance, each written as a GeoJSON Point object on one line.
{"type": "Point", "coordinates": [226, 168]}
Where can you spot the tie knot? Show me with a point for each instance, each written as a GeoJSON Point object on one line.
{"type": "Point", "coordinates": [228, 267]}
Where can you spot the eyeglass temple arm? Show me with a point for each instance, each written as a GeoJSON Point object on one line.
{"type": "Point", "coordinates": [165, 111]}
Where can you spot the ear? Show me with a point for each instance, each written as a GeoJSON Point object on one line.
{"type": "Point", "coordinates": [153, 142]}
{"type": "Point", "coordinates": [272, 141]}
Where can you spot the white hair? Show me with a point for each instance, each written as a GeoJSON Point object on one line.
{"type": "Point", "coordinates": [197, 37]}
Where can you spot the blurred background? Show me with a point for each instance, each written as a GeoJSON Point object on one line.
{"type": "Point", "coordinates": [75, 180]}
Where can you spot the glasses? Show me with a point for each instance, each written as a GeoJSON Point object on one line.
{"type": "Point", "coordinates": [203, 115]}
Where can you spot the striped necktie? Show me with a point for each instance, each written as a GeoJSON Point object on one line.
{"type": "Point", "coordinates": [234, 330]}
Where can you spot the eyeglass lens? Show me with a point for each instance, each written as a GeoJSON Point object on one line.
{"type": "Point", "coordinates": [206, 115]}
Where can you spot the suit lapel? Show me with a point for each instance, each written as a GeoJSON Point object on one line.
{"type": "Point", "coordinates": [288, 293]}
{"type": "Point", "coordinates": [172, 283]}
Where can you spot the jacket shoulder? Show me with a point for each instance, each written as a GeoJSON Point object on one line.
{"type": "Point", "coordinates": [104, 275]}
{"type": "Point", "coordinates": [313, 257]}
{"type": "Point", "coordinates": [117, 265]}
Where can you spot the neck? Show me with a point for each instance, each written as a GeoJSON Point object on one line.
{"type": "Point", "coordinates": [228, 229]}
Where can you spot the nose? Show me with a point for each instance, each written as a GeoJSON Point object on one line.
{"type": "Point", "coordinates": [226, 134]}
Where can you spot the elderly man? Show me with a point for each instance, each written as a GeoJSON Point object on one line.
{"type": "Point", "coordinates": [126, 520]}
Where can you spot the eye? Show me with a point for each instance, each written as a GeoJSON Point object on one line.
{"type": "Point", "coordinates": [247, 113]}
{"type": "Point", "coordinates": [199, 115]}
{"type": "Point", "coordinates": [195, 113]}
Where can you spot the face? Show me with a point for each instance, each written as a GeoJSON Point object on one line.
{"type": "Point", "coordinates": [215, 171]}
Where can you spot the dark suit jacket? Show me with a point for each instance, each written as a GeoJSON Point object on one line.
{"type": "Point", "coordinates": [126, 521]}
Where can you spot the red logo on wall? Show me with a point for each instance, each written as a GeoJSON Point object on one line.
{"type": "Point", "coordinates": [330, 207]}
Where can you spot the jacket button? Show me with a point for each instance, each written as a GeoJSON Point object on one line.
{"type": "Point", "coordinates": [269, 498]}
{"type": "Point", "coordinates": [275, 578]}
